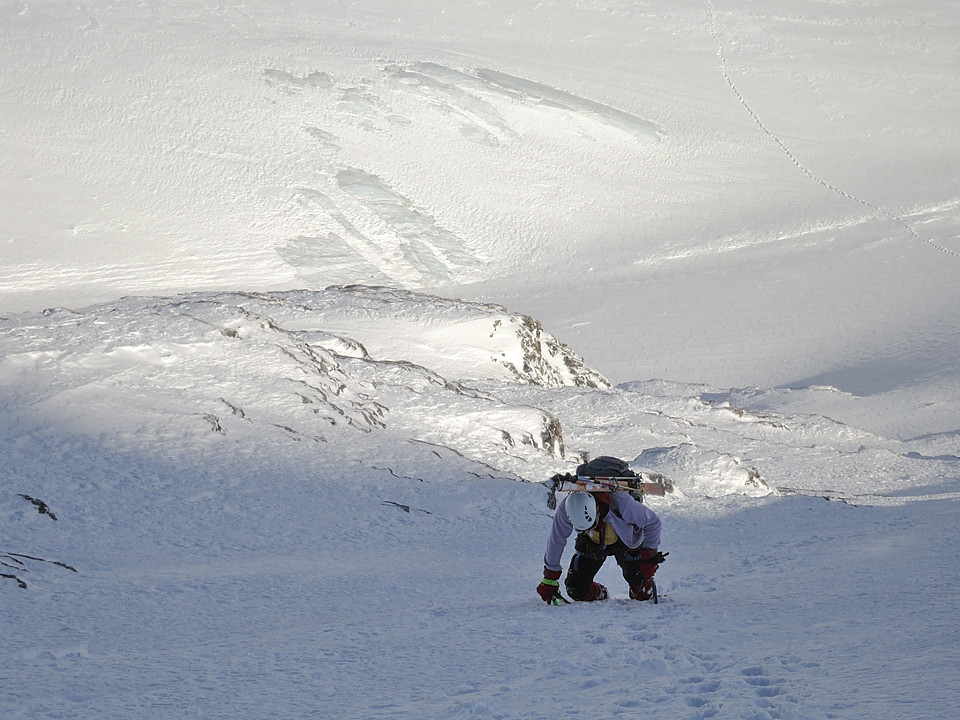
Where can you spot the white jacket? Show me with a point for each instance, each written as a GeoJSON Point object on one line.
{"type": "Point", "coordinates": [635, 524]}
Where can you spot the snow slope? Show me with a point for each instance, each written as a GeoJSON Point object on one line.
{"type": "Point", "coordinates": [300, 300]}
{"type": "Point", "coordinates": [245, 515]}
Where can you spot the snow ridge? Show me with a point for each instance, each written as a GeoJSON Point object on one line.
{"type": "Point", "coordinates": [305, 365]}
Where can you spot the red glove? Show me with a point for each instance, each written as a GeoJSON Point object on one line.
{"type": "Point", "coordinates": [650, 560]}
{"type": "Point", "coordinates": [549, 586]}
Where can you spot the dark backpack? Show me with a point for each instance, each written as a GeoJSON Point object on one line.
{"type": "Point", "coordinates": [605, 466]}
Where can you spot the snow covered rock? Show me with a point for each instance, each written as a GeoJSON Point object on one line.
{"type": "Point", "coordinates": [298, 366]}
{"type": "Point", "coordinates": [706, 472]}
{"type": "Point", "coordinates": [456, 338]}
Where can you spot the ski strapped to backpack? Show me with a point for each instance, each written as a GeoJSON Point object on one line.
{"type": "Point", "coordinates": [643, 483]}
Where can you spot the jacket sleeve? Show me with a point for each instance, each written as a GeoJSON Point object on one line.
{"type": "Point", "coordinates": [644, 520]}
{"type": "Point", "coordinates": [559, 533]}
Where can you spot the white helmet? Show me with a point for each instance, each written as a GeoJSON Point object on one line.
{"type": "Point", "coordinates": [581, 508]}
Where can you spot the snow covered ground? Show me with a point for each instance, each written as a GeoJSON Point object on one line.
{"type": "Point", "coordinates": [299, 301]}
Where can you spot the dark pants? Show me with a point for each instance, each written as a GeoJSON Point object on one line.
{"type": "Point", "coordinates": [588, 558]}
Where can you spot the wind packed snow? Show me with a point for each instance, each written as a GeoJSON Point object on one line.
{"type": "Point", "coordinates": [300, 302]}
